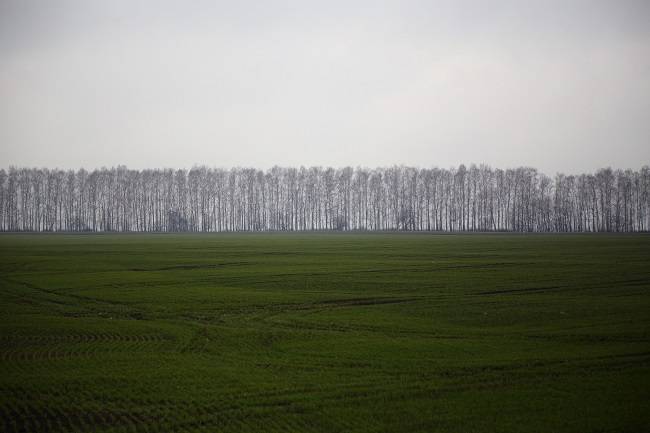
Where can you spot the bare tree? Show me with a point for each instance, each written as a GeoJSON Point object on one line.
{"type": "Point", "coordinates": [289, 199]}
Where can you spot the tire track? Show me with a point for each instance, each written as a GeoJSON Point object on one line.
{"type": "Point", "coordinates": [19, 349]}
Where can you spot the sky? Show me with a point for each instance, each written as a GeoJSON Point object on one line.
{"type": "Point", "coordinates": [563, 86]}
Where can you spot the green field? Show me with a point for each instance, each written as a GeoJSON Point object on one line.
{"type": "Point", "coordinates": [325, 333]}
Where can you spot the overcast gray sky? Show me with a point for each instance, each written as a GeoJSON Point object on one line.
{"type": "Point", "coordinates": [558, 85]}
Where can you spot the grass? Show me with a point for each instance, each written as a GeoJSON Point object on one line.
{"type": "Point", "coordinates": [325, 333]}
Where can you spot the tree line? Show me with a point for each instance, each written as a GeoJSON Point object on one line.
{"type": "Point", "coordinates": [478, 198]}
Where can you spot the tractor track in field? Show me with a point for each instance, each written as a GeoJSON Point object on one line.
{"type": "Point", "coordinates": [190, 267]}
{"type": "Point", "coordinates": [16, 349]}
{"type": "Point", "coordinates": [257, 410]}
{"type": "Point", "coordinates": [326, 304]}
{"type": "Point", "coordinates": [111, 308]}
{"type": "Point", "coordinates": [248, 411]}
{"type": "Point", "coordinates": [58, 294]}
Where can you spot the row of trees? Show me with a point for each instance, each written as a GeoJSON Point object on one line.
{"type": "Point", "coordinates": [289, 199]}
